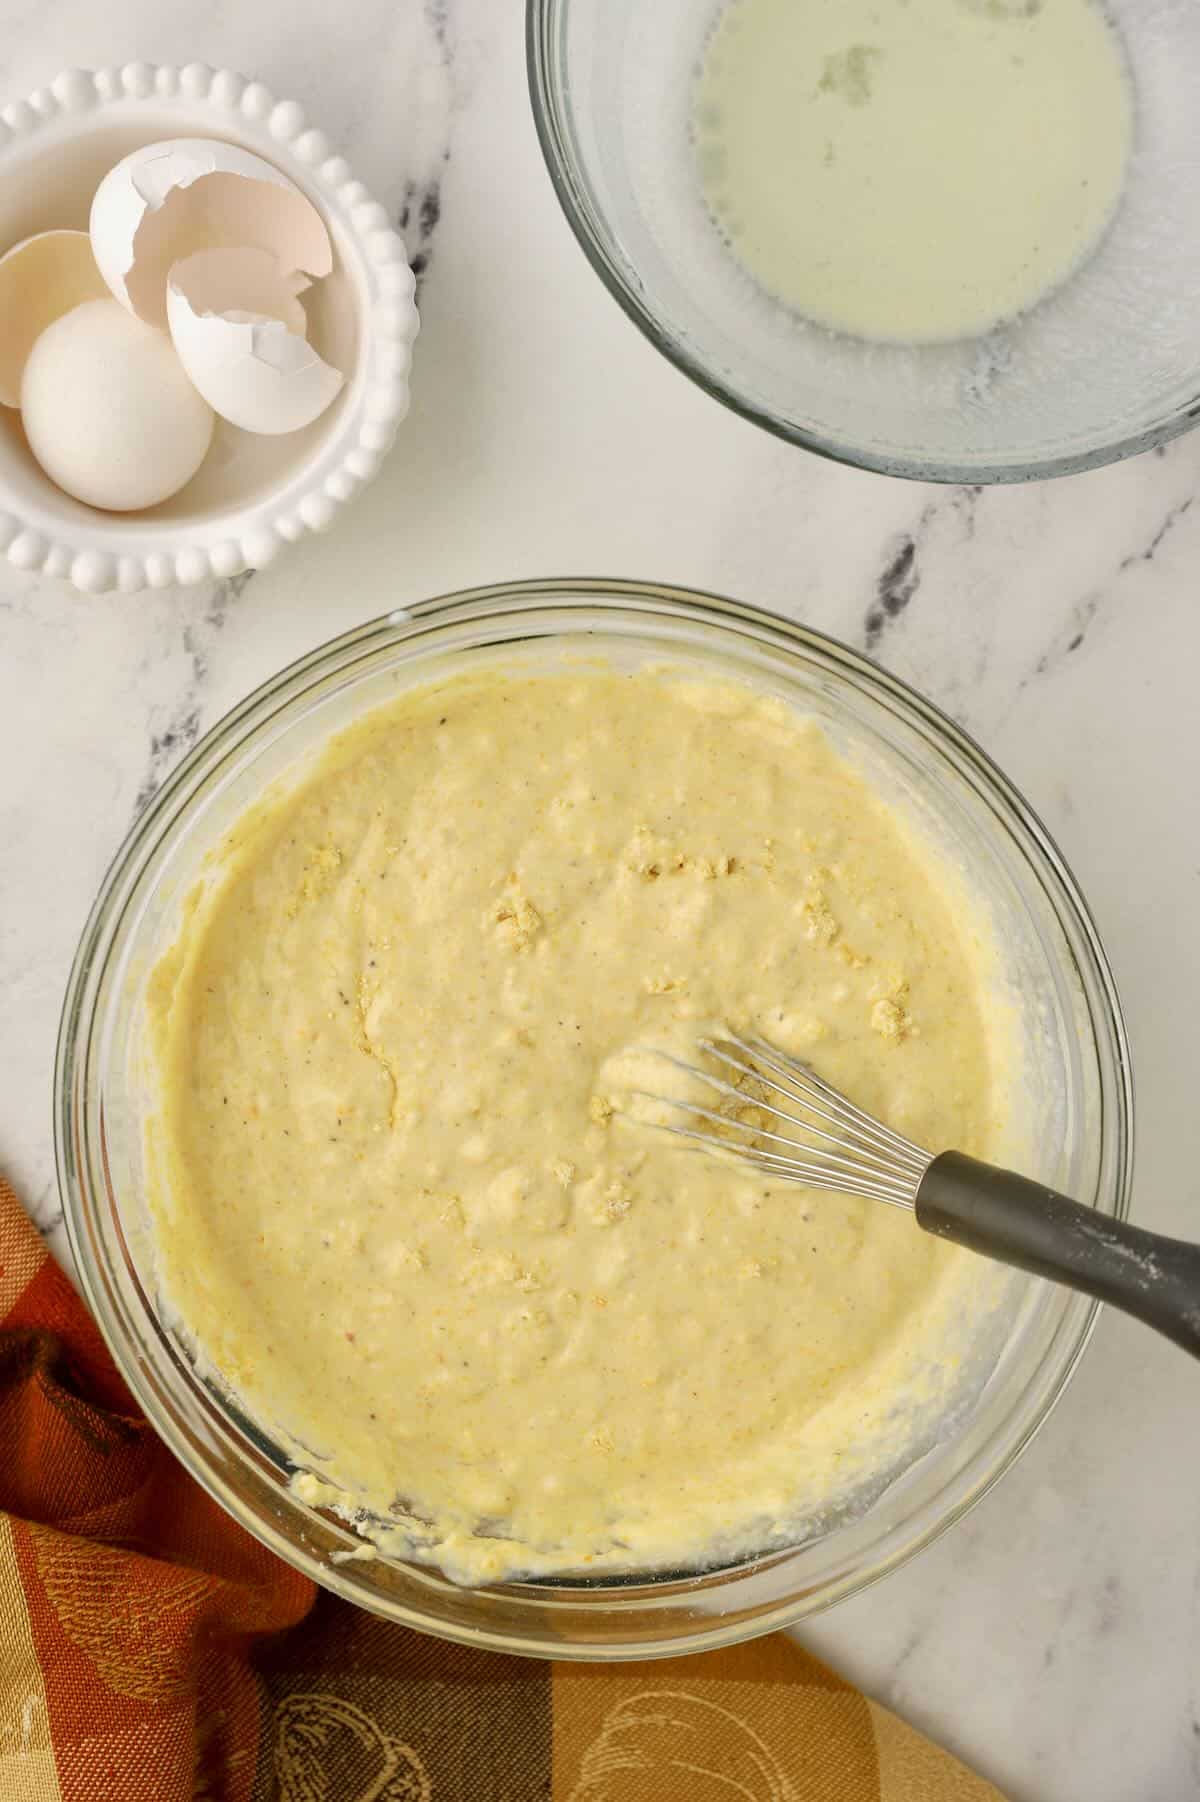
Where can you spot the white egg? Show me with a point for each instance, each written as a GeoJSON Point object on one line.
{"type": "Point", "coordinates": [109, 412]}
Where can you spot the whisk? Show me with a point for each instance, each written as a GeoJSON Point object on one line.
{"type": "Point", "coordinates": [786, 1121]}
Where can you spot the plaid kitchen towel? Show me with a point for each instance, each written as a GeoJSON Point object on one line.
{"type": "Point", "coordinates": [151, 1651]}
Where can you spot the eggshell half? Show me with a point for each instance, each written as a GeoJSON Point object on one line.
{"type": "Point", "coordinates": [165, 202]}
{"type": "Point", "coordinates": [243, 281]}
{"type": "Point", "coordinates": [248, 361]}
{"type": "Point", "coordinates": [40, 279]}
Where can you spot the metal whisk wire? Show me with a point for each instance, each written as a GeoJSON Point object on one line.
{"type": "Point", "coordinates": [843, 1149]}
{"type": "Point", "coordinates": [788, 1122]}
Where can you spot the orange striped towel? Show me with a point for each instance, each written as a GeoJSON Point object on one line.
{"type": "Point", "coordinates": [151, 1651]}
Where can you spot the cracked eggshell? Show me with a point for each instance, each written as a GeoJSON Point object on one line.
{"type": "Point", "coordinates": [165, 202]}
{"type": "Point", "coordinates": [245, 281]}
{"type": "Point", "coordinates": [40, 279]}
{"type": "Point", "coordinates": [238, 330]}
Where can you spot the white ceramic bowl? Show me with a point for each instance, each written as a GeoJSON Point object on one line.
{"type": "Point", "coordinates": [252, 495]}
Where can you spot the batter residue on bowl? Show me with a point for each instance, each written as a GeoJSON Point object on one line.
{"type": "Point", "coordinates": [405, 1211]}
{"type": "Point", "coordinates": [913, 170]}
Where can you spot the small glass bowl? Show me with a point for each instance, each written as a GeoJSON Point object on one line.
{"type": "Point", "coordinates": [1081, 1138]}
{"type": "Point", "coordinates": [1106, 366]}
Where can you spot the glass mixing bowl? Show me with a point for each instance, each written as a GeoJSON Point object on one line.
{"type": "Point", "coordinates": [1107, 365]}
{"type": "Point", "coordinates": [1081, 1132]}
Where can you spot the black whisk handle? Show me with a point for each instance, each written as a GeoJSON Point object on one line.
{"type": "Point", "coordinates": [1019, 1222]}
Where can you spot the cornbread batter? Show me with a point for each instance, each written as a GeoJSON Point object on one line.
{"type": "Point", "coordinates": [405, 1209]}
{"type": "Point", "coordinates": [913, 170]}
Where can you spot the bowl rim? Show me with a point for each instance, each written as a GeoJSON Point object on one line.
{"type": "Point", "coordinates": [129, 552]}
{"type": "Point", "coordinates": [551, 114]}
{"type": "Point", "coordinates": [83, 998]}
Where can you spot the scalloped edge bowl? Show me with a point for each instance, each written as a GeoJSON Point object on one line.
{"type": "Point", "coordinates": [49, 148]}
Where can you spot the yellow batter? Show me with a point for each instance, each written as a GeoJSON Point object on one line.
{"type": "Point", "coordinates": [405, 1209]}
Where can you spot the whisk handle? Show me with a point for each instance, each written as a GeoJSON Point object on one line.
{"type": "Point", "coordinates": [1007, 1217]}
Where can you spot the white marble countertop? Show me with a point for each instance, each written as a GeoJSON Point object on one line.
{"type": "Point", "coordinates": [1053, 1638]}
